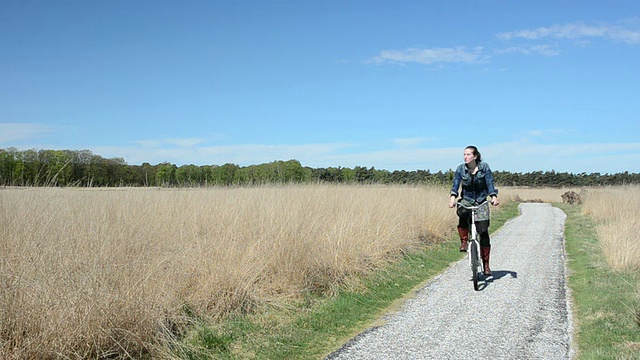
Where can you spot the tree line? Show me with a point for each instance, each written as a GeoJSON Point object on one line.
{"type": "Point", "coordinates": [83, 168]}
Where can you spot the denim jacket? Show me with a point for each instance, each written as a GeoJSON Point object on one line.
{"type": "Point", "coordinates": [476, 188]}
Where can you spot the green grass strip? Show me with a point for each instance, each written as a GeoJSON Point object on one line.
{"type": "Point", "coordinates": [319, 325]}
{"type": "Point", "coordinates": [606, 307]}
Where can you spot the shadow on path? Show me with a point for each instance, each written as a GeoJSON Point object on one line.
{"type": "Point", "coordinates": [497, 275]}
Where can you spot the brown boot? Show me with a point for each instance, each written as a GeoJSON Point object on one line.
{"type": "Point", "coordinates": [486, 254]}
{"type": "Point", "coordinates": [464, 237]}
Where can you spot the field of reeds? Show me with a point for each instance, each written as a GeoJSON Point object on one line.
{"type": "Point", "coordinates": [122, 272]}
{"type": "Point", "coordinates": [616, 211]}
{"type": "Point", "coordinates": [604, 260]}
{"type": "Point", "coordinates": [93, 273]}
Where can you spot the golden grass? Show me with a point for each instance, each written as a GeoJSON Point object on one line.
{"type": "Point", "coordinates": [118, 272]}
{"type": "Point", "coordinates": [616, 211]}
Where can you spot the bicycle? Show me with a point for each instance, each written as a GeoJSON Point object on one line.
{"type": "Point", "coordinates": [475, 262]}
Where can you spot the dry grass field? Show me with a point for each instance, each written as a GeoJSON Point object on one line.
{"type": "Point", "coordinates": [117, 272]}
{"type": "Point", "coordinates": [616, 211]}
{"type": "Point", "coordinates": [91, 273]}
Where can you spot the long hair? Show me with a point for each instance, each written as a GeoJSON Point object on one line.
{"type": "Point", "coordinates": [475, 151]}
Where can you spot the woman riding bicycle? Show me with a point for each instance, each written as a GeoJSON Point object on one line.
{"type": "Point", "coordinates": [477, 183]}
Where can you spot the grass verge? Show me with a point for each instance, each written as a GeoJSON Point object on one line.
{"type": "Point", "coordinates": [313, 327]}
{"type": "Point", "coordinates": [606, 306]}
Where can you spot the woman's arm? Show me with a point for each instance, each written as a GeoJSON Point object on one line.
{"type": "Point", "coordinates": [457, 179]}
{"type": "Point", "coordinates": [493, 192]}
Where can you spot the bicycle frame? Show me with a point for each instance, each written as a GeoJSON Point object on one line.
{"type": "Point", "coordinates": [474, 239]}
{"type": "Point", "coordinates": [475, 262]}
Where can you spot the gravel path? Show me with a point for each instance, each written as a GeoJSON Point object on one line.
{"type": "Point", "coordinates": [521, 313]}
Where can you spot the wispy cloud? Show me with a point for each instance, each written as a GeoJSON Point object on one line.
{"type": "Point", "coordinates": [12, 132]}
{"type": "Point", "coordinates": [430, 56]}
{"type": "Point", "coordinates": [241, 154]}
{"type": "Point", "coordinates": [433, 159]}
{"type": "Point", "coordinates": [545, 50]}
{"type": "Point", "coordinates": [576, 31]}
{"type": "Point", "coordinates": [574, 158]}
{"type": "Point", "coordinates": [507, 156]}
{"type": "Point", "coordinates": [518, 156]}
{"type": "Point", "coordinates": [580, 33]}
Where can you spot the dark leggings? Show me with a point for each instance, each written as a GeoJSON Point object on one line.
{"type": "Point", "coordinates": [464, 221]}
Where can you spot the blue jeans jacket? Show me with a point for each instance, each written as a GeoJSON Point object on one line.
{"type": "Point", "coordinates": [476, 188]}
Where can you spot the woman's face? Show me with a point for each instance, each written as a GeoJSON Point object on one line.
{"type": "Point", "coordinates": [468, 156]}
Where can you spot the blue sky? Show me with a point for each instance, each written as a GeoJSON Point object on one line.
{"type": "Point", "coordinates": [536, 85]}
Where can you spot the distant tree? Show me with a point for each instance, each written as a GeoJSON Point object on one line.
{"type": "Point", "coordinates": [348, 175]}
{"type": "Point", "coordinates": [189, 175]}
{"type": "Point", "coordinates": [165, 174]}
{"type": "Point", "coordinates": [148, 173]}
{"type": "Point", "coordinates": [83, 168]}
{"type": "Point", "coordinates": [381, 176]}
{"type": "Point", "coordinates": [291, 171]}
{"type": "Point", "coordinates": [224, 175]}
{"type": "Point", "coordinates": [330, 174]}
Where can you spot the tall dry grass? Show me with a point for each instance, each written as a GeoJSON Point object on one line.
{"type": "Point", "coordinates": [119, 272]}
{"type": "Point", "coordinates": [616, 211]}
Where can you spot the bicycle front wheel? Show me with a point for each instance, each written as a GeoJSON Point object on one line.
{"type": "Point", "coordinates": [475, 264]}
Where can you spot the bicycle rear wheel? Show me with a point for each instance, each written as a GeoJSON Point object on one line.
{"type": "Point", "coordinates": [475, 264]}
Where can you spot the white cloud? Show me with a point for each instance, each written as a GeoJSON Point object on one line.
{"type": "Point", "coordinates": [242, 154]}
{"type": "Point", "coordinates": [545, 50]}
{"type": "Point", "coordinates": [430, 56]}
{"type": "Point", "coordinates": [434, 159]}
{"type": "Point", "coordinates": [579, 33]}
{"type": "Point", "coordinates": [520, 156]}
{"type": "Point", "coordinates": [576, 31]}
{"type": "Point", "coordinates": [574, 158]}
{"type": "Point", "coordinates": [10, 132]}
{"type": "Point", "coordinates": [510, 156]}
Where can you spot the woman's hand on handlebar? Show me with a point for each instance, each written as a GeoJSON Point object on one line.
{"type": "Point", "coordinates": [452, 202]}
{"type": "Point", "coordinates": [495, 201]}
